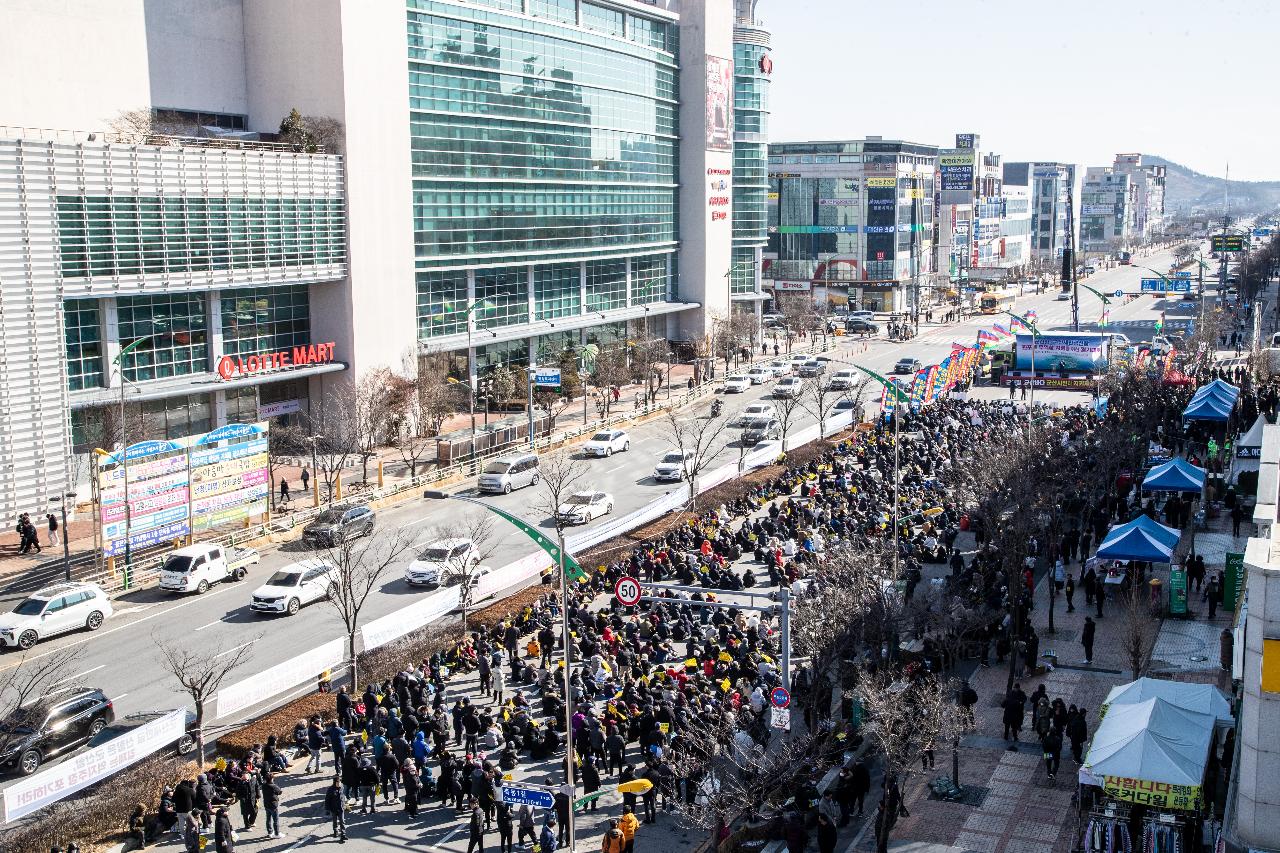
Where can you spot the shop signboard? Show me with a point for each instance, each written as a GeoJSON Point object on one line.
{"type": "Point", "coordinates": [719, 103]}
{"type": "Point", "coordinates": [1233, 580]}
{"type": "Point", "coordinates": [1159, 795]}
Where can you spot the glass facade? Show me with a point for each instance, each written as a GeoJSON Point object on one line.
{"type": "Point", "coordinates": [82, 327]}
{"type": "Point", "coordinates": [175, 329]}
{"type": "Point", "coordinates": [265, 319]}
{"type": "Point", "coordinates": [138, 235]}
{"type": "Point", "coordinates": [542, 142]}
{"type": "Point", "coordinates": [648, 280]}
{"type": "Point", "coordinates": [506, 292]}
{"type": "Point", "coordinates": [750, 162]}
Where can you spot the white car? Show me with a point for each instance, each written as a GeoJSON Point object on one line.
{"type": "Point", "coordinates": [607, 442]}
{"type": "Point", "coordinates": [760, 375]}
{"type": "Point", "coordinates": [756, 410]}
{"type": "Point", "coordinates": [583, 507]}
{"type": "Point", "coordinates": [671, 466]}
{"type": "Point", "coordinates": [778, 367]}
{"type": "Point", "coordinates": [788, 387]}
{"type": "Point", "coordinates": [736, 384]}
{"type": "Point", "coordinates": [295, 585]}
{"type": "Point", "coordinates": [54, 610]}
{"type": "Point", "coordinates": [794, 362]}
{"type": "Point", "coordinates": [440, 558]}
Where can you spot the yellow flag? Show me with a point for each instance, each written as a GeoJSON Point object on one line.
{"type": "Point", "coordinates": [726, 657]}
{"type": "Point", "coordinates": [724, 685]}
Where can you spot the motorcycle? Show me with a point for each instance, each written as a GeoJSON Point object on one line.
{"type": "Point", "coordinates": [717, 406]}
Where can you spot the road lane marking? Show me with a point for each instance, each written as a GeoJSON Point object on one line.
{"type": "Point", "coordinates": [614, 468]}
{"type": "Point", "coordinates": [78, 674]}
{"type": "Point", "coordinates": [209, 625]}
{"type": "Point", "coordinates": [237, 648]}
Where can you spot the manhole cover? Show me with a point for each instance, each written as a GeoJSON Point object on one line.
{"type": "Point", "coordinates": [1199, 658]}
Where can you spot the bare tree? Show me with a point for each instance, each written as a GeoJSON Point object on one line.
{"type": "Point", "coordinates": [610, 370]}
{"type": "Point", "coordinates": [358, 568]}
{"type": "Point", "coordinates": [645, 358]}
{"type": "Point", "coordinates": [554, 403]}
{"type": "Point", "coordinates": [904, 718]}
{"type": "Point", "coordinates": [819, 398]}
{"type": "Point", "coordinates": [359, 418]}
{"type": "Point", "coordinates": [1138, 632]}
{"type": "Point", "coordinates": [560, 476]}
{"type": "Point", "coordinates": [429, 399]}
{"type": "Point", "coordinates": [699, 440]}
{"type": "Point", "coordinates": [788, 408]}
{"type": "Point", "coordinates": [312, 134]}
{"type": "Point", "coordinates": [138, 125]}
{"type": "Point", "coordinates": [479, 529]}
{"type": "Point", "coordinates": [200, 673]}
{"type": "Point", "coordinates": [23, 689]}
{"type": "Point", "coordinates": [285, 443]}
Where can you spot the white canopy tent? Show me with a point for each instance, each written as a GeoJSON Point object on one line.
{"type": "Point", "coordinates": [1152, 740]}
{"type": "Point", "coordinates": [1200, 698]}
{"type": "Point", "coordinates": [1246, 453]}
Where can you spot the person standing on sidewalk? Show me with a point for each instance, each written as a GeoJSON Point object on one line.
{"type": "Point", "coordinates": [859, 785]}
{"type": "Point", "coordinates": [1071, 593]}
{"type": "Point", "coordinates": [476, 840]}
{"type": "Point", "coordinates": [1052, 743]}
{"type": "Point", "coordinates": [1211, 591]}
{"type": "Point", "coordinates": [53, 528]}
{"type": "Point", "coordinates": [271, 805]}
{"type": "Point", "coordinates": [1077, 733]}
{"type": "Point", "coordinates": [335, 805]}
{"type": "Point", "coordinates": [1086, 638]}
{"type": "Point", "coordinates": [1015, 707]}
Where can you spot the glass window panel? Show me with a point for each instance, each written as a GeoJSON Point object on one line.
{"type": "Point", "coordinates": [442, 303]}
{"type": "Point", "coordinates": [606, 285]}
{"type": "Point", "coordinates": [265, 319]}
{"type": "Point", "coordinates": [175, 330]}
{"type": "Point", "coordinates": [557, 291]}
{"type": "Point", "coordinates": [82, 326]}
{"type": "Point", "coordinates": [506, 295]}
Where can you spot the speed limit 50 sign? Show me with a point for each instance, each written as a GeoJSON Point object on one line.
{"type": "Point", "coordinates": [627, 591]}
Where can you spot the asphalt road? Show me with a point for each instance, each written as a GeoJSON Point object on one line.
{"type": "Point", "coordinates": [121, 657]}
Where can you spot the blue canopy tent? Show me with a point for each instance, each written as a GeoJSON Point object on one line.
{"type": "Point", "coordinates": [1218, 387]}
{"type": "Point", "coordinates": [1140, 539]}
{"type": "Point", "coordinates": [1208, 408]}
{"type": "Point", "coordinates": [1178, 475]}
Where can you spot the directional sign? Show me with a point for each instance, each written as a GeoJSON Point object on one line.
{"type": "Point", "coordinates": [1118, 293]}
{"type": "Point", "coordinates": [526, 795]}
{"type": "Point", "coordinates": [627, 590]}
{"type": "Point", "coordinates": [547, 377]}
{"type": "Point", "coordinates": [1161, 285]}
{"type": "Point", "coordinates": [780, 697]}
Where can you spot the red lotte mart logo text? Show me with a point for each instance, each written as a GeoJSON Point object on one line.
{"type": "Point", "coordinates": [230, 366]}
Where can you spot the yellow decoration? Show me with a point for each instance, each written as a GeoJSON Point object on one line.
{"type": "Point", "coordinates": [726, 657]}
{"type": "Point", "coordinates": [691, 662]}
{"type": "Point", "coordinates": [635, 786]}
{"type": "Point", "coordinates": [724, 685]}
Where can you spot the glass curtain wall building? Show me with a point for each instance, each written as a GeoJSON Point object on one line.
{"type": "Point", "coordinates": [544, 142]}
{"type": "Point", "coordinates": [752, 67]}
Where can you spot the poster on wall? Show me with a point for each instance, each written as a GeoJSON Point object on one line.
{"type": "Point", "coordinates": [719, 103]}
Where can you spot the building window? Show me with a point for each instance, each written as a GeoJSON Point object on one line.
{"type": "Point", "coordinates": [265, 319]}
{"type": "Point", "coordinates": [559, 10]}
{"type": "Point", "coordinates": [176, 417]}
{"type": "Point", "coordinates": [648, 279]}
{"type": "Point", "coordinates": [557, 291]}
{"type": "Point", "coordinates": [174, 334]}
{"type": "Point", "coordinates": [743, 271]}
{"type": "Point", "coordinates": [507, 292]}
{"type": "Point", "coordinates": [442, 303]}
{"type": "Point", "coordinates": [602, 20]}
{"type": "Point", "coordinates": [606, 285]}
{"type": "Point", "coordinates": [242, 404]}
{"type": "Point", "coordinates": [82, 326]}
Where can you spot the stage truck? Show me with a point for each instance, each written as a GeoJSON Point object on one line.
{"type": "Point", "coordinates": [1072, 361]}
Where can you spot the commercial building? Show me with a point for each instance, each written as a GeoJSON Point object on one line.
{"type": "Point", "coordinates": [1106, 205]}
{"type": "Point", "coordinates": [498, 184]}
{"type": "Point", "coordinates": [1052, 185]}
{"type": "Point", "coordinates": [852, 221]}
{"type": "Point", "coordinates": [752, 70]}
{"type": "Point", "coordinates": [973, 215]}
{"type": "Point", "coordinates": [1146, 216]}
{"type": "Point", "coordinates": [1015, 221]}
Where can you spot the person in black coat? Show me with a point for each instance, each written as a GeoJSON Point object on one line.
{"type": "Point", "coordinates": [505, 828]}
{"type": "Point", "coordinates": [590, 779]}
{"type": "Point", "coordinates": [271, 803]}
{"type": "Point", "coordinates": [859, 784]}
{"type": "Point", "coordinates": [223, 836]}
{"type": "Point", "coordinates": [335, 804]}
{"type": "Point", "coordinates": [826, 835]}
{"type": "Point", "coordinates": [475, 841]}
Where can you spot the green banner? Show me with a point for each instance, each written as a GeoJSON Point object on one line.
{"type": "Point", "coordinates": [1178, 591]}
{"type": "Point", "coordinates": [892, 387]}
{"type": "Point", "coordinates": [572, 570]}
{"type": "Point", "coordinates": [1233, 580]}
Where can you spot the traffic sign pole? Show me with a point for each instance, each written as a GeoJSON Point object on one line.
{"type": "Point", "coordinates": [627, 591]}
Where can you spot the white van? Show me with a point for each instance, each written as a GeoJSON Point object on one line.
{"type": "Point", "coordinates": [197, 567]}
{"type": "Point", "coordinates": [509, 472]}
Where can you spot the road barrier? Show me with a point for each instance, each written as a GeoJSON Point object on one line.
{"type": "Point", "coordinates": [298, 669]}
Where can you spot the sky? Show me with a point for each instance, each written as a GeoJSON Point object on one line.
{"type": "Point", "coordinates": [1074, 82]}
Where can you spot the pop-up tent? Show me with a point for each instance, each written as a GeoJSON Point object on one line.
{"type": "Point", "coordinates": [1218, 388]}
{"type": "Point", "coordinates": [1152, 741]}
{"type": "Point", "coordinates": [1176, 475]}
{"type": "Point", "coordinates": [1208, 408]}
{"type": "Point", "coordinates": [1140, 539]}
{"type": "Point", "coordinates": [1247, 452]}
{"type": "Point", "coordinates": [1200, 698]}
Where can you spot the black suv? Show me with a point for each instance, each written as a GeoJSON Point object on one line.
{"type": "Point", "coordinates": [52, 727]}
{"type": "Point", "coordinates": [339, 523]}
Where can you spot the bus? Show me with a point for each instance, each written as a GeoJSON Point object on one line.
{"type": "Point", "coordinates": [1125, 259]}
{"type": "Point", "coordinates": [996, 302]}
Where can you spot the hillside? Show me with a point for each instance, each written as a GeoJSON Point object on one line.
{"type": "Point", "coordinates": [1186, 189]}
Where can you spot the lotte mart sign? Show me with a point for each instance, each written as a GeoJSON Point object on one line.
{"type": "Point", "coordinates": [230, 366]}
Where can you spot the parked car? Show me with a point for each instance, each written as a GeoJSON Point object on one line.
{"type": "Point", "coordinates": [54, 610]}
{"type": "Point", "coordinates": [337, 524]}
{"type": "Point", "coordinates": [197, 567]}
{"type": "Point", "coordinates": [812, 368]}
{"type": "Point", "coordinates": [184, 745]}
{"type": "Point", "coordinates": [736, 384]}
{"type": "Point", "coordinates": [844, 405]}
{"type": "Point", "coordinates": [843, 380]}
{"type": "Point", "coordinates": [860, 315]}
{"type": "Point", "coordinates": [607, 442]}
{"type": "Point", "coordinates": [438, 558]}
{"type": "Point", "coordinates": [50, 727]}
{"type": "Point", "coordinates": [295, 585]}
{"type": "Point", "coordinates": [584, 507]}
{"type": "Point", "coordinates": [671, 466]}
{"type": "Point", "coordinates": [509, 472]}
{"type": "Point", "coordinates": [758, 430]}
{"type": "Point", "coordinates": [907, 365]}
{"type": "Point", "coordinates": [760, 375]}
{"type": "Point", "coordinates": [788, 387]}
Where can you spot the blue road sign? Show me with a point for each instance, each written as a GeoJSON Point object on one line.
{"type": "Point", "coordinates": [1118, 293]}
{"type": "Point", "coordinates": [547, 377]}
{"type": "Point", "coordinates": [526, 795]}
{"type": "Point", "coordinates": [780, 697]}
{"type": "Point", "coordinates": [1160, 285]}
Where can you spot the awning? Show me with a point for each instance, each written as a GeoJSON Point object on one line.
{"type": "Point", "coordinates": [1177, 475]}
{"type": "Point", "coordinates": [1140, 539]}
{"type": "Point", "coordinates": [1200, 698]}
{"type": "Point", "coordinates": [1154, 741]}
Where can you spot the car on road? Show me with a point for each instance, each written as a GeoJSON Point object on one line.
{"type": "Point", "coordinates": [56, 609]}
{"type": "Point", "coordinates": [1062, 296]}
{"type": "Point", "coordinates": [756, 410]}
{"type": "Point", "coordinates": [860, 315]}
{"type": "Point", "coordinates": [736, 384]}
{"type": "Point", "coordinates": [606, 442]}
{"type": "Point", "coordinates": [184, 745]}
{"type": "Point", "coordinates": [197, 567]}
{"type": "Point", "coordinates": [295, 585]}
{"type": "Point", "coordinates": [843, 380]}
{"type": "Point", "coordinates": [1119, 339]}
{"type": "Point", "coordinates": [861, 327]}
{"type": "Point", "coordinates": [509, 472]}
{"type": "Point", "coordinates": [337, 524]}
{"type": "Point", "coordinates": [907, 365]}
{"type": "Point", "coordinates": [812, 368]}
{"type": "Point", "coordinates": [788, 387]}
{"type": "Point", "coordinates": [440, 558]}
{"type": "Point", "coordinates": [778, 368]}
{"type": "Point", "coordinates": [760, 375]}
{"type": "Point", "coordinates": [844, 405]}
{"type": "Point", "coordinates": [584, 507]}
{"type": "Point", "coordinates": [758, 430]}
{"type": "Point", "coordinates": [51, 727]}
{"type": "Point", "coordinates": [671, 466]}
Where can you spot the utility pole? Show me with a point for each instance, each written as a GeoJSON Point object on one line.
{"type": "Point", "coordinates": [1071, 254]}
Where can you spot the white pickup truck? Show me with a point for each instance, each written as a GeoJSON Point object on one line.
{"type": "Point", "coordinates": [197, 567]}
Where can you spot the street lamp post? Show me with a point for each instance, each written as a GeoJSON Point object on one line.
{"type": "Point", "coordinates": [124, 463]}
{"type": "Point", "coordinates": [66, 540]}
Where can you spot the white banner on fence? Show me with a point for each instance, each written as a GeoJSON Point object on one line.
{"type": "Point", "coordinates": [395, 625]}
{"type": "Point", "coordinates": [35, 792]}
{"type": "Point", "coordinates": [511, 574]}
{"type": "Point", "coordinates": [297, 670]}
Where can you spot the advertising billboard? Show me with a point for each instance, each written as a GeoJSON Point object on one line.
{"type": "Point", "coordinates": [719, 103]}
{"type": "Point", "coordinates": [1068, 353]}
